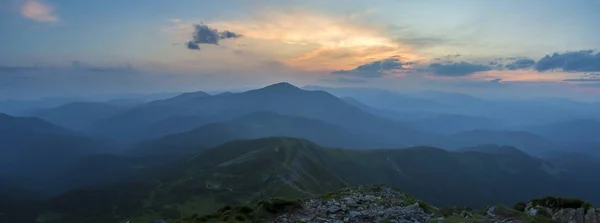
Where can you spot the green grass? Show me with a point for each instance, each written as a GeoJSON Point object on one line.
{"type": "Point", "coordinates": [251, 170]}
{"type": "Point", "coordinates": [261, 212]}
{"type": "Point", "coordinates": [561, 203]}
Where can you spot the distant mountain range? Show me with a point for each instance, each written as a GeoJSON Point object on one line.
{"type": "Point", "coordinates": [282, 98]}
{"type": "Point", "coordinates": [513, 113]}
{"type": "Point", "coordinates": [191, 153]}
{"type": "Point", "coordinates": [78, 115]}
{"type": "Point", "coordinates": [369, 127]}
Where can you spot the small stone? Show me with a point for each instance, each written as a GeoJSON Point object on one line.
{"type": "Point", "coordinates": [490, 211]}
{"type": "Point", "coordinates": [333, 209]}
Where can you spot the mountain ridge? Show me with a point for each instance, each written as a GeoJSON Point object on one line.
{"type": "Point", "coordinates": [242, 171]}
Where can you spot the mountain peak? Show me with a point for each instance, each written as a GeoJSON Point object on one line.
{"type": "Point", "coordinates": [196, 94]}
{"type": "Point", "coordinates": [282, 86]}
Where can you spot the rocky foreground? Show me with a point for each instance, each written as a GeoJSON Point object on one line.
{"type": "Point", "coordinates": [378, 203]}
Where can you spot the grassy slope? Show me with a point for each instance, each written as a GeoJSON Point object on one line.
{"type": "Point", "coordinates": [233, 173]}
{"type": "Point", "coordinates": [245, 171]}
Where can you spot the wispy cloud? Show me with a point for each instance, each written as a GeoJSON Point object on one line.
{"type": "Point", "coordinates": [38, 11]}
{"type": "Point", "coordinates": [588, 77]}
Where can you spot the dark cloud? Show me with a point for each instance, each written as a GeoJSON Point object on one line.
{"type": "Point", "coordinates": [374, 69]}
{"type": "Point", "coordinates": [456, 69]}
{"type": "Point", "coordinates": [206, 35]}
{"type": "Point", "coordinates": [345, 80]}
{"type": "Point", "coordinates": [522, 63]}
{"type": "Point", "coordinates": [497, 80]}
{"type": "Point", "coordinates": [511, 63]}
{"type": "Point", "coordinates": [229, 35]}
{"type": "Point", "coordinates": [576, 61]}
{"type": "Point", "coordinates": [192, 46]}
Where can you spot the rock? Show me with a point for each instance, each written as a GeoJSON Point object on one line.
{"type": "Point", "coordinates": [570, 215]}
{"type": "Point", "coordinates": [384, 204]}
{"type": "Point", "coordinates": [592, 215]}
{"type": "Point", "coordinates": [354, 214]}
{"type": "Point", "coordinates": [362, 204]}
{"type": "Point", "coordinates": [490, 211]}
{"type": "Point", "coordinates": [333, 209]}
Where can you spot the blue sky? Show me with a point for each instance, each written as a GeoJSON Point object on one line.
{"type": "Point", "coordinates": [472, 46]}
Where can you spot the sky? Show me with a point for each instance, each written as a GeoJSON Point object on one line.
{"type": "Point", "coordinates": [512, 48]}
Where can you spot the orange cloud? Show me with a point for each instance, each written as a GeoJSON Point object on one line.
{"type": "Point", "coordinates": [312, 41]}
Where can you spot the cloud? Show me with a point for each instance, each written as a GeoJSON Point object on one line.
{"type": "Point", "coordinates": [229, 35]}
{"type": "Point", "coordinates": [375, 69]}
{"type": "Point", "coordinates": [345, 80]}
{"type": "Point", "coordinates": [522, 63]}
{"type": "Point", "coordinates": [575, 61]}
{"type": "Point", "coordinates": [588, 77]}
{"type": "Point", "coordinates": [38, 11]}
{"type": "Point", "coordinates": [456, 69]}
{"type": "Point", "coordinates": [318, 41]}
{"type": "Point", "coordinates": [206, 35]}
{"type": "Point", "coordinates": [192, 46]}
